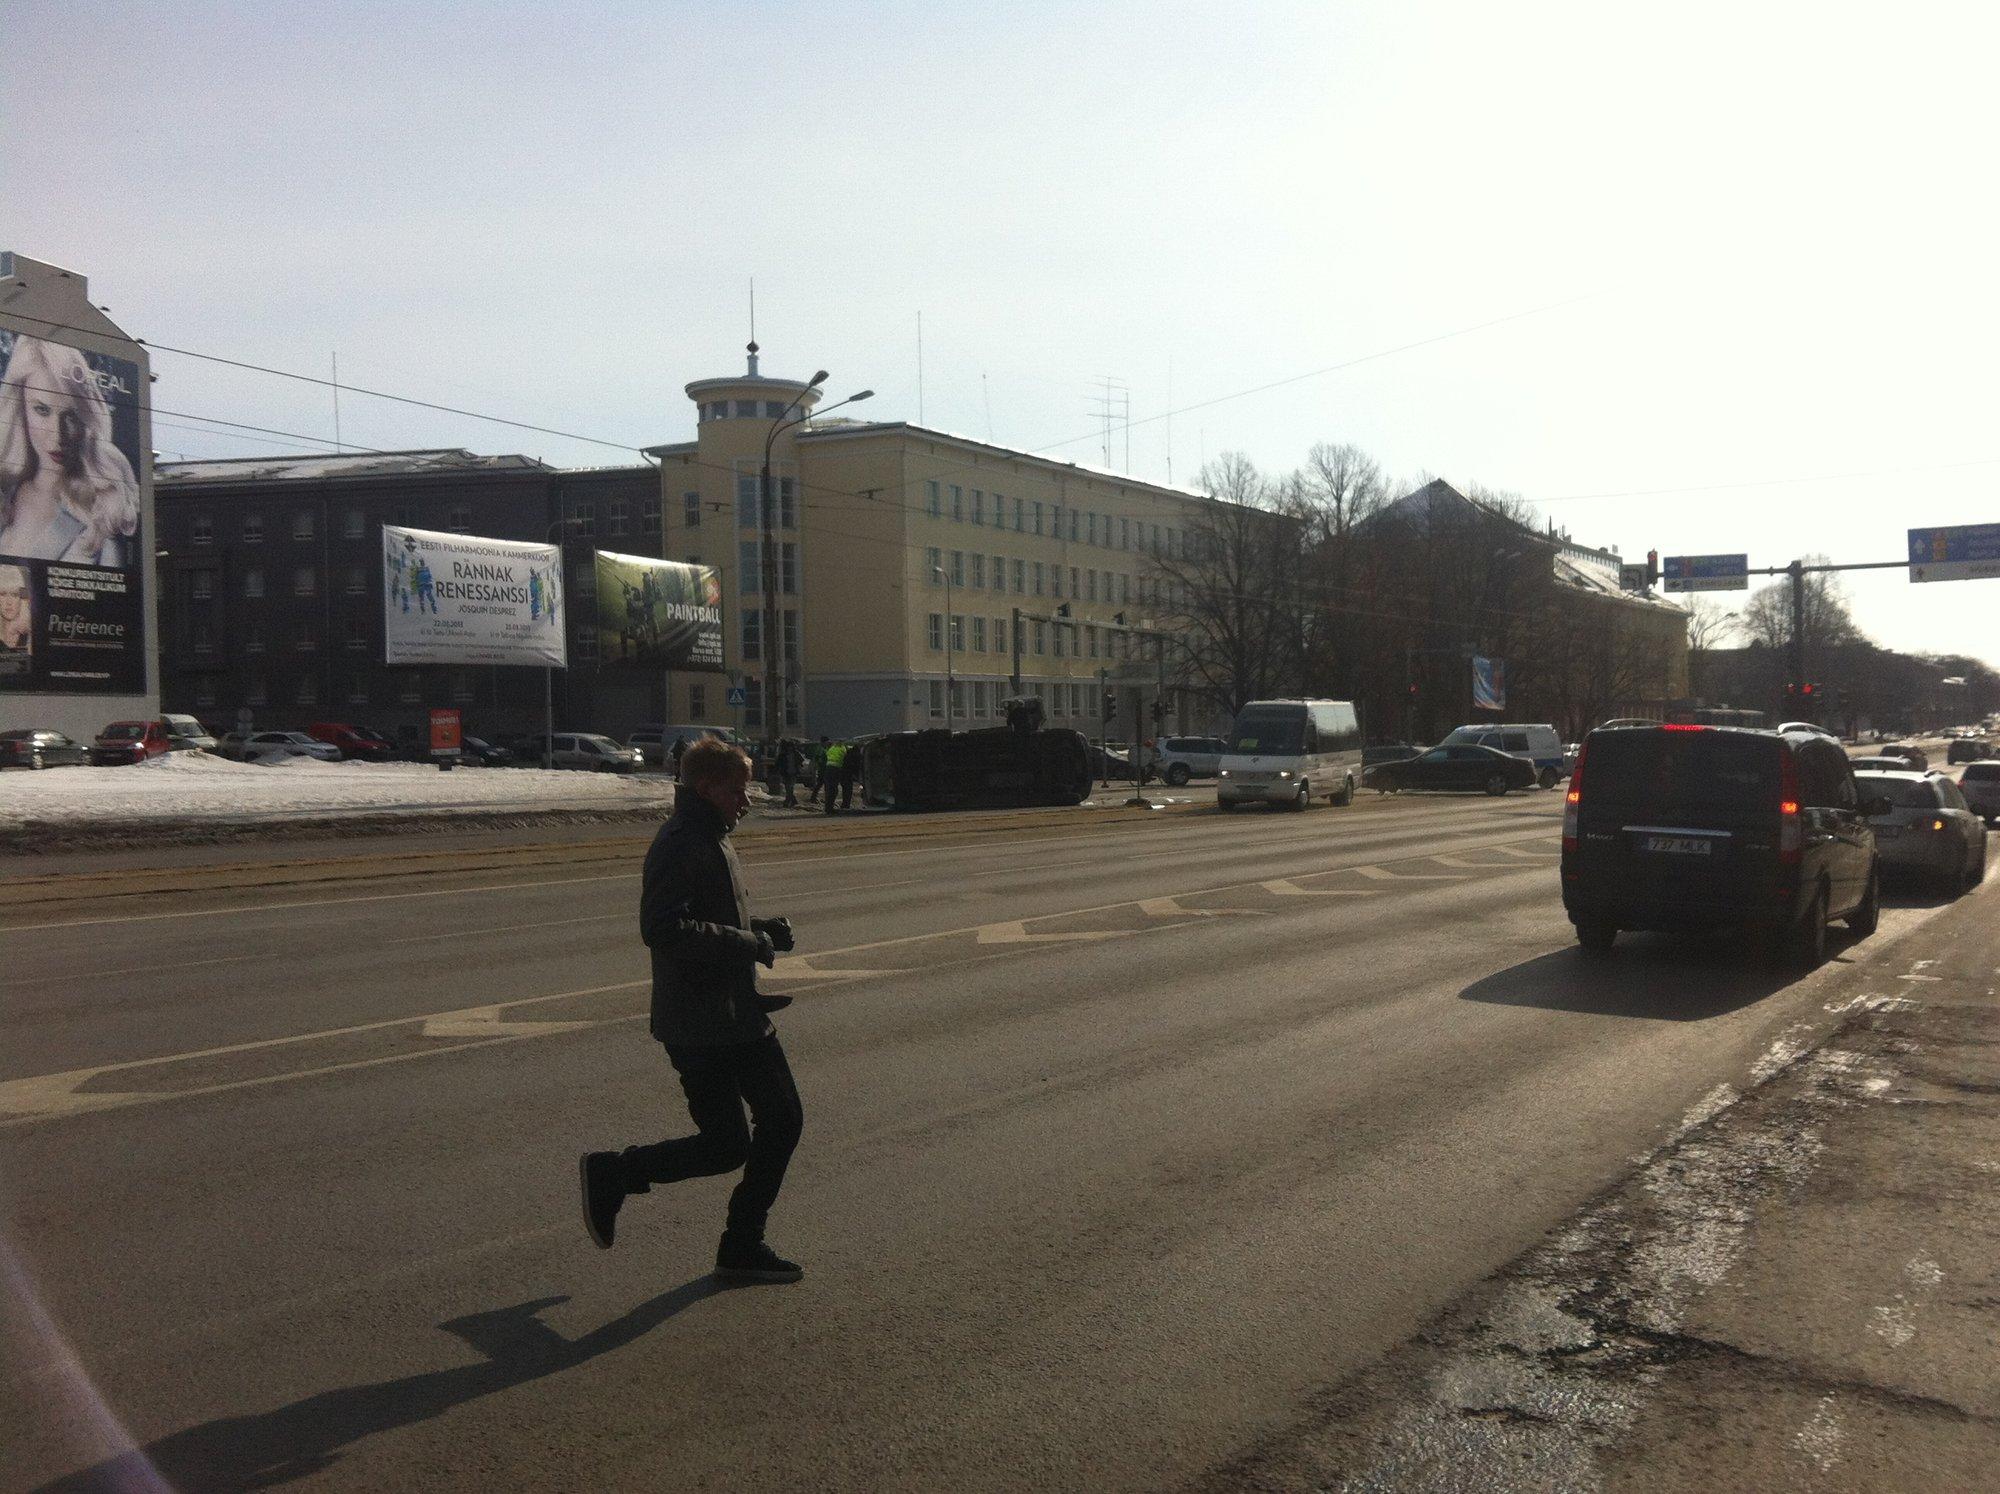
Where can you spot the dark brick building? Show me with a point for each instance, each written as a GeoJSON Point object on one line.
{"type": "Point", "coordinates": [271, 588]}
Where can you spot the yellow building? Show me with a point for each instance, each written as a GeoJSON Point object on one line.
{"type": "Point", "coordinates": [903, 556]}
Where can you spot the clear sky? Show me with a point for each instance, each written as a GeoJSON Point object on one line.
{"type": "Point", "coordinates": [1746, 252]}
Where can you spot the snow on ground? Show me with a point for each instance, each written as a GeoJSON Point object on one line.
{"type": "Point", "coordinates": [195, 786]}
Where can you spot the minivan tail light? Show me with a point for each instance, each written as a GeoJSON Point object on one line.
{"type": "Point", "coordinates": [1791, 829]}
{"type": "Point", "coordinates": [1573, 801]}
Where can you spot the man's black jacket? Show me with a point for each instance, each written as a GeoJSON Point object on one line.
{"type": "Point", "coordinates": [695, 917]}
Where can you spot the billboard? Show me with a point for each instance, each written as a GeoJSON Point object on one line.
{"type": "Point", "coordinates": [1489, 684]}
{"type": "Point", "coordinates": [460, 599]}
{"type": "Point", "coordinates": [72, 556]}
{"type": "Point", "coordinates": [658, 613]}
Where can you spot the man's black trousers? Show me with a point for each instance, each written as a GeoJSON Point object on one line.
{"type": "Point", "coordinates": [719, 1083]}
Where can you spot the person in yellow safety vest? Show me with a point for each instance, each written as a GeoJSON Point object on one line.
{"type": "Point", "coordinates": [835, 771]}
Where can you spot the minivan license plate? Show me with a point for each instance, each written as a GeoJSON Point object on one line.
{"type": "Point", "coordinates": [1679, 845]}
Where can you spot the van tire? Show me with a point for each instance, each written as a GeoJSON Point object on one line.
{"type": "Point", "coordinates": [1596, 935]}
{"type": "Point", "coordinates": [1177, 775]}
{"type": "Point", "coordinates": [1305, 795]}
{"type": "Point", "coordinates": [1547, 779]}
{"type": "Point", "coordinates": [1497, 785]}
{"type": "Point", "coordinates": [1807, 942]}
{"type": "Point", "coordinates": [1346, 793]}
{"type": "Point", "coordinates": [1865, 919]}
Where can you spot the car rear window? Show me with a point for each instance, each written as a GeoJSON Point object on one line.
{"type": "Point", "coordinates": [1976, 772]}
{"type": "Point", "coordinates": [1683, 770]}
{"type": "Point", "coordinates": [1900, 792]}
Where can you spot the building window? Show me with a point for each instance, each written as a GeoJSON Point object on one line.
{"type": "Point", "coordinates": [357, 636]}
{"type": "Point", "coordinates": [357, 690]}
{"type": "Point", "coordinates": [307, 641]}
{"type": "Point", "coordinates": [307, 690]}
{"type": "Point", "coordinates": [203, 531]}
{"type": "Point", "coordinates": [354, 524]}
{"type": "Point", "coordinates": [304, 581]}
{"type": "Point", "coordinates": [933, 500]}
{"type": "Point", "coordinates": [999, 635]}
{"type": "Point", "coordinates": [357, 581]}
{"type": "Point", "coordinates": [788, 503]}
{"type": "Point", "coordinates": [1056, 640]}
{"type": "Point", "coordinates": [933, 565]}
{"type": "Point", "coordinates": [413, 687]}
{"type": "Point", "coordinates": [691, 510]}
{"type": "Point", "coordinates": [1041, 636]}
{"type": "Point", "coordinates": [1020, 515]}
{"type": "Point", "coordinates": [958, 568]}
{"type": "Point", "coordinates": [1038, 515]}
{"type": "Point", "coordinates": [461, 685]}
{"type": "Point", "coordinates": [617, 514]}
{"type": "Point", "coordinates": [1075, 589]}
{"type": "Point", "coordinates": [1055, 581]}
{"type": "Point", "coordinates": [957, 633]}
{"type": "Point", "coordinates": [302, 524]}
{"type": "Point", "coordinates": [255, 693]}
{"type": "Point", "coordinates": [204, 692]}
{"type": "Point", "coordinates": [937, 700]}
{"type": "Point", "coordinates": [746, 409]}
{"type": "Point", "coordinates": [1124, 534]}
{"type": "Point", "coordinates": [586, 645]}
{"type": "Point", "coordinates": [1090, 585]}
{"type": "Point", "coordinates": [978, 506]}
{"type": "Point", "coordinates": [957, 504]}
{"type": "Point", "coordinates": [753, 634]}
{"type": "Point", "coordinates": [253, 582]}
{"type": "Point", "coordinates": [204, 638]}
{"type": "Point", "coordinates": [1020, 578]}
{"type": "Point", "coordinates": [697, 701]}
{"type": "Point", "coordinates": [978, 580]}
{"type": "Point", "coordinates": [936, 631]}
{"type": "Point", "coordinates": [979, 635]}
{"type": "Point", "coordinates": [253, 529]}
{"type": "Point", "coordinates": [1038, 578]}
{"type": "Point", "coordinates": [999, 574]}
{"type": "Point", "coordinates": [788, 568]}
{"type": "Point", "coordinates": [1090, 642]}
{"type": "Point", "coordinates": [750, 571]}
{"type": "Point", "coordinates": [201, 585]}
{"type": "Point", "coordinates": [583, 520]}
{"type": "Point", "coordinates": [788, 633]}
{"type": "Point", "coordinates": [1124, 590]}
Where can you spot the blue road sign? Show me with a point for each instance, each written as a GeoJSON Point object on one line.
{"type": "Point", "coordinates": [1705, 573]}
{"type": "Point", "coordinates": [738, 695]}
{"type": "Point", "coordinates": [1960, 552]}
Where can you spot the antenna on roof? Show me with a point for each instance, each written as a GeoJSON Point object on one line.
{"type": "Point", "coordinates": [336, 402]}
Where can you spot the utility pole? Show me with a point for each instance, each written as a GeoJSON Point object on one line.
{"type": "Point", "coordinates": [1014, 643]}
{"type": "Point", "coordinates": [1797, 651]}
{"type": "Point", "coordinates": [950, 678]}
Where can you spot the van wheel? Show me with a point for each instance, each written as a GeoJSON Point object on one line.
{"type": "Point", "coordinates": [1497, 785]}
{"type": "Point", "coordinates": [1177, 775]}
{"type": "Point", "coordinates": [1596, 934]}
{"type": "Point", "coordinates": [1305, 795]}
{"type": "Point", "coordinates": [1978, 863]}
{"type": "Point", "coordinates": [1346, 793]}
{"type": "Point", "coordinates": [1808, 940]}
{"type": "Point", "coordinates": [1865, 919]}
{"type": "Point", "coordinates": [1548, 778]}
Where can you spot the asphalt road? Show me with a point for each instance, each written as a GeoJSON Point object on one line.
{"type": "Point", "coordinates": [1122, 1146]}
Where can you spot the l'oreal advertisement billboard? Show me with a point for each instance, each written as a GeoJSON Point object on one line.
{"type": "Point", "coordinates": [658, 613]}
{"type": "Point", "coordinates": [460, 599]}
{"type": "Point", "coordinates": [72, 567]}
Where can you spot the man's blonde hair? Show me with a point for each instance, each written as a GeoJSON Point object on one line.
{"type": "Point", "coordinates": [712, 760]}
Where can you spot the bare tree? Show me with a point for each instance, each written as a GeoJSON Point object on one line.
{"type": "Point", "coordinates": [1767, 617]}
{"type": "Point", "coordinates": [1709, 627]}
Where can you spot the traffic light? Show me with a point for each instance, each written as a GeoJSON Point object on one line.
{"type": "Point", "coordinates": [1110, 704]}
{"type": "Point", "coordinates": [1159, 710]}
{"type": "Point", "coordinates": [1652, 567]}
{"type": "Point", "coordinates": [1806, 690]}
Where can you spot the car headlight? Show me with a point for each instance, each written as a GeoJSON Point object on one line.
{"type": "Point", "coordinates": [1284, 773]}
{"type": "Point", "coordinates": [1224, 773]}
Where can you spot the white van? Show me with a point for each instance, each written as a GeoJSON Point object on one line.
{"type": "Point", "coordinates": [1541, 745]}
{"type": "Point", "coordinates": [1285, 751]}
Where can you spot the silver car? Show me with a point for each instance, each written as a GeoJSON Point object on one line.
{"type": "Point", "coordinates": [1177, 759]}
{"type": "Point", "coordinates": [1980, 783]}
{"type": "Point", "coordinates": [592, 753]}
{"type": "Point", "coordinates": [268, 746]}
{"type": "Point", "coordinates": [1927, 829]}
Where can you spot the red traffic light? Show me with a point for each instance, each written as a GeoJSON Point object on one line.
{"type": "Point", "coordinates": [1806, 689]}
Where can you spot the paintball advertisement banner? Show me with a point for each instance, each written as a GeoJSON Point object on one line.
{"type": "Point", "coordinates": [660, 614]}
{"type": "Point", "coordinates": [72, 568]}
{"type": "Point", "coordinates": [460, 599]}
{"type": "Point", "coordinates": [1489, 684]}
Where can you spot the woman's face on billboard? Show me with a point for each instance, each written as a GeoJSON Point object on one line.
{"type": "Point", "coordinates": [45, 433]}
{"type": "Point", "coordinates": [11, 603]}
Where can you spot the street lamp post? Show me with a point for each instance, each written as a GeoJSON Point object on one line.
{"type": "Point", "coordinates": [768, 549]}
{"type": "Point", "coordinates": [549, 677]}
{"type": "Point", "coordinates": [949, 678]}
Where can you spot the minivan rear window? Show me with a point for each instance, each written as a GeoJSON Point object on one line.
{"type": "Point", "coordinates": [1682, 770]}
{"type": "Point", "coordinates": [1902, 793]}
{"type": "Point", "coordinates": [1979, 772]}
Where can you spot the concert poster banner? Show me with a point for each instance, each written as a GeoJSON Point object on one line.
{"type": "Point", "coordinates": [462, 599]}
{"type": "Point", "coordinates": [658, 614]}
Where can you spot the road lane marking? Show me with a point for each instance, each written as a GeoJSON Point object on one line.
{"type": "Point", "coordinates": [1286, 887]}
{"type": "Point", "coordinates": [1383, 874]}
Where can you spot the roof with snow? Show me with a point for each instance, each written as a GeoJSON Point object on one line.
{"type": "Point", "coordinates": [345, 464]}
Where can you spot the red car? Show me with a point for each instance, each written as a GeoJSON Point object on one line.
{"type": "Point", "coordinates": [125, 742]}
{"type": "Point", "coordinates": [353, 741]}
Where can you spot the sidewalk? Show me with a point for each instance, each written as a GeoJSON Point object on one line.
{"type": "Point", "coordinates": [1801, 1290]}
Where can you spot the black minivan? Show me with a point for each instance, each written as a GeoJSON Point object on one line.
{"type": "Point", "coordinates": [1690, 827]}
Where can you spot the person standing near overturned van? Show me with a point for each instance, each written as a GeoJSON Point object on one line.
{"type": "Point", "coordinates": [694, 915]}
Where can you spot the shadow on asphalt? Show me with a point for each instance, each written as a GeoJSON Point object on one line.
{"type": "Point", "coordinates": [1661, 977]}
{"type": "Point", "coordinates": [234, 1453]}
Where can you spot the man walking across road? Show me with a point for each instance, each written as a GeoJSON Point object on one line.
{"type": "Point", "coordinates": [695, 917]}
{"type": "Point", "coordinates": [835, 771]}
{"type": "Point", "coordinates": [788, 771]}
{"type": "Point", "coordinates": [818, 751]}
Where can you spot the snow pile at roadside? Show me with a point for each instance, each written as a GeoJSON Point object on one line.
{"type": "Point", "coordinates": [195, 786]}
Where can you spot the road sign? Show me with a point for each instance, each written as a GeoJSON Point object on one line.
{"type": "Point", "coordinates": [1706, 573]}
{"type": "Point", "coordinates": [1631, 578]}
{"type": "Point", "coordinates": [738, 695]}
{"type": "Point", "coordinates": [1962, 552]}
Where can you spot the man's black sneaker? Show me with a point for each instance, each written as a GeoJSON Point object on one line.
{"type": "Point", "coordinates": [757, 1262]}
{"type": "Point", "coordinates": [602, 1195]}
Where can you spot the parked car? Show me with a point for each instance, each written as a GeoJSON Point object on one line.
{"type": "Point", "coordinates": [582, 751]}
{"type": "Point", "coordinates": [1177, 759]}
{"type": "Point", "coordinates": [37, 747]}
{"type": "Point", "coordinates": [1926, 828]}
{"type": "Point", "coordinates": [1968, 750]}
{"type": "Point", "coordinates": [1387, 752]}
{"type": "Point", "coordinates": [188, 735]}
{"type": "Point", "coordinates": [353, 741]}
{"type": "Point", "coordinates": [1914, 756]}
{"type": "Point", "coordinates": [1980, 783]}
{"type": "Point", "coordinates": [477, 752]}
{"type": "Point", "coordinates": [268, 746]}
{"type": "Point", "coordinates": [1462, 768]}
{"type": "Point", "coordinates": [1695, 827]}
{"type": "Point", "coordinates": [125, 742]}
{"type": "Point", "coordinates": [1539, 744]}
